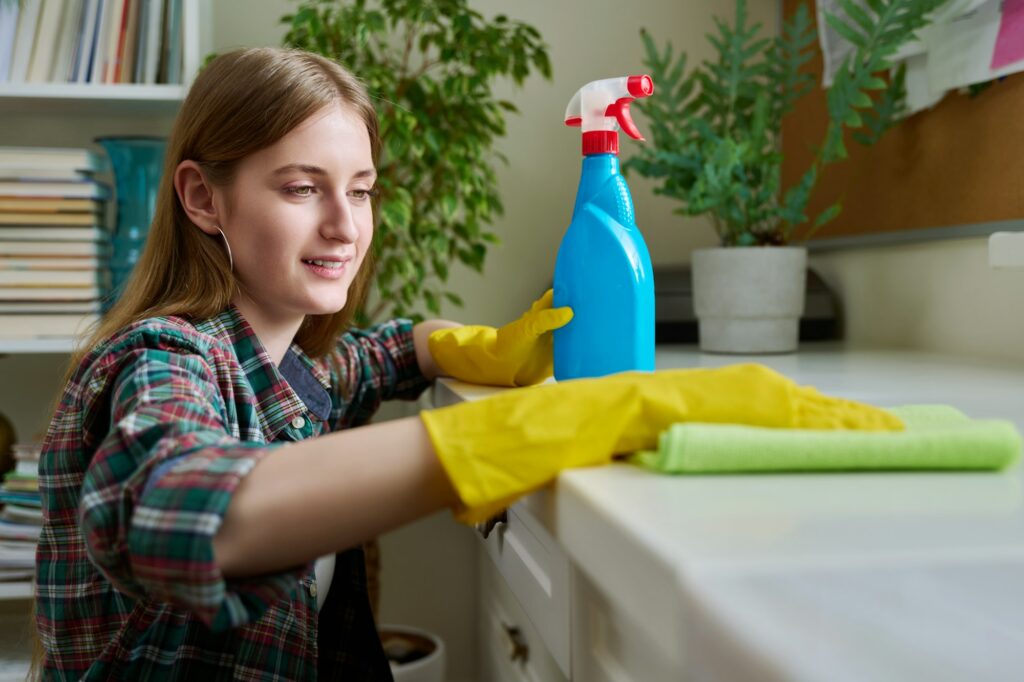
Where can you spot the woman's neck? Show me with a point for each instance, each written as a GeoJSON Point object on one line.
{"type": "Point", "coordinates": [275, 333]}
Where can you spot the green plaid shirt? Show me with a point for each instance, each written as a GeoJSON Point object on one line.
{"type": "Point", "coordinates": [154, 432]}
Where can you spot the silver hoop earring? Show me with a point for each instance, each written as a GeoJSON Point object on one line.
{"type": "Point", "coordinates": [231, 260]}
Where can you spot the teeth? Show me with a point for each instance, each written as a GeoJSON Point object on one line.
{"type": "Point", "coordinates": [332, 264]}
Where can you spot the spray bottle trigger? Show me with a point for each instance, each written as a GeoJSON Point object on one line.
{"type": "Point", "coordinates": [620, 110]}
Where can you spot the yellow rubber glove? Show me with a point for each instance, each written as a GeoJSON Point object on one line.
{"type": "Point", "coordinates": [518, 354]}
{"type": "Point", "coordinates": [499, 448]}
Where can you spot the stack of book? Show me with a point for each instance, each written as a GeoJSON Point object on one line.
{"type": "Point", "coordinates": [54, 244]}
{"type": "Point", "coordinates": [21, 517]}
{"type": "Point", "coordinates": [90, 41]}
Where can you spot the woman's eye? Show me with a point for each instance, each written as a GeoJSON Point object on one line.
{"type": "Point", "coordinates": [301, 191]}
{"type": "Point", "coordinates": [363, 194]}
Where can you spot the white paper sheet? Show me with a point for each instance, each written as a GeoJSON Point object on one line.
{"type": "Point", "coordinates": [960, 51]}
{"type": "Point", "coordinates": [954, 51]}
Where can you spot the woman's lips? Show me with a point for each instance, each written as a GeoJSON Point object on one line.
{"type": "Point", "coordinates": [327, 269]}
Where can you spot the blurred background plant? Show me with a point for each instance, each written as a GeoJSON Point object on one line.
{"type": "Point", "coordinates": [716, 129]}
{"type": "Point", "coordinates": [430, 66]}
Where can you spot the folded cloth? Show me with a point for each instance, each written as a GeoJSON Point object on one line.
{"type": "Point", "coordinates": [935, 437]}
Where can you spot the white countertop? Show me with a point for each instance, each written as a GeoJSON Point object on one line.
{"type": "Point", "coordinates": [814, 576]}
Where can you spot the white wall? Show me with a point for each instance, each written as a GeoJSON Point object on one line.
{"type": "Point", "coordinates": [936, 296]}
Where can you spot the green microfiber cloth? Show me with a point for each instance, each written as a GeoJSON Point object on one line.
{"type": "Point", "coordinates": [936, 437]}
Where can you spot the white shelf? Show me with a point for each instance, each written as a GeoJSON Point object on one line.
{"type": "Point", "coordinates": [41, 345]}
{"type": "Point", "coordinates": [15, 590]}
{"type": "Point", "coordinates": [87, 98]}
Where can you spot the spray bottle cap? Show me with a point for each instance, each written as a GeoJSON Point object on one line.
{"type": "Point", "coordinates": [601, 107]}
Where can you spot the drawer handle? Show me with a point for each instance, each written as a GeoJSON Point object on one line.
{"type": "Point", "coordinates": [490, 524]}
{"type": "Point", "coordinates": [520, 650]}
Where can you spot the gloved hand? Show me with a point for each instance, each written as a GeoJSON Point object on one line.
{"type": "Point", "coordinates": [499, 448]}
{"type": "Point", "coordinates": [518, 354]}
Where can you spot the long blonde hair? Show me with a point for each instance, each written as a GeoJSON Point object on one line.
{"type": "Point", "coordinates": [241, 102]}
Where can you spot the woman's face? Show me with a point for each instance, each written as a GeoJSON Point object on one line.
{"type": "Point", "coordinates": [300, 221]}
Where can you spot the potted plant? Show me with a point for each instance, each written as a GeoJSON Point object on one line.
{"type": "Point", "coordinates": [716, 133]}
{"type": "Point", "coordinates": [430, 66]}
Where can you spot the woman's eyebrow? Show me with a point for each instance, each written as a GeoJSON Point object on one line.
{"type": "Point", "coordinates": [302, 167]}
{"type": "Point", "coordinates": [317, 170]}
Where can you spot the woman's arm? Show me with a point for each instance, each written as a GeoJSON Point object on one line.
{"type": "Point", "coordinates": [336, 491]}
{"type": "Point", "coordinates": [325, 494]}
{"type": "Point", "coordinates": [421, 332]}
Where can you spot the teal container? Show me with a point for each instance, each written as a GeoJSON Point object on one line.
{"type": "Point", "coordinates": [138, 163]}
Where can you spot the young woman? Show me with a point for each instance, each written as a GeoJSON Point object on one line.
{"type": "Point", "coordinates": [210, 443]}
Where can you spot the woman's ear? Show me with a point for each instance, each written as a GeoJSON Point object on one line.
{"type": "Point", "coordinates": [196, 197]}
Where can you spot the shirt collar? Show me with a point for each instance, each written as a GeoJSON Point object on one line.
{"type": "Point", "coordinates": [282, 393]}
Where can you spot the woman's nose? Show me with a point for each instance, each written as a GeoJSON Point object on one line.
{"type": "Point", "coordinates": [340, 222]}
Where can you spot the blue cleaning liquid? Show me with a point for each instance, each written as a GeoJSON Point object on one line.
{"type": "Point", "coordinates": [603, 272]}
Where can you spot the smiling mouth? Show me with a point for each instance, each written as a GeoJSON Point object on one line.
{"type": "Point", "coordinates": [329, 264]}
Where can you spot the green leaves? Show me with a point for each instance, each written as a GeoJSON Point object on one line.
{"type": "Point", "coordinates": [430, 66]}
{"type": "Point", "coordinates": [716, 129]}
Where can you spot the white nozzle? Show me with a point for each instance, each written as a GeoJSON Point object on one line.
{"type": "Point", "coordinates": [599, 105]}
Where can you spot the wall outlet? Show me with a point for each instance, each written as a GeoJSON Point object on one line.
{"type": "Point", "coordinates": [1006, 250]}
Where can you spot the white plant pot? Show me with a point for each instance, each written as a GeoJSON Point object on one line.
{"type": "Point", "coordinates": [749, 299]}
{"type": "Point", "coordinates": [431, 663]}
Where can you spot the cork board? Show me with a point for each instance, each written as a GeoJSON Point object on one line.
{"type": "Point", "coordinates": [958, 164]}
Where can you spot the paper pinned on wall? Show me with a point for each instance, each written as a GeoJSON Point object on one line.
{"type": "Point", "coordinates": [1010, 41]}
{"type": "Point", "coordinates": [919, 95]}
{"type": "Point", "coordinates": [835, 48]}
{"type": "Point", "coordinates": [968, 41]}
{"type": "Point", "coordinates": [960, 53]}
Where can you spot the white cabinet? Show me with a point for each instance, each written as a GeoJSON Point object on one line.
{"type": "Point", "coordinates": [537, 571]}
{"type": "Point", "coordinates": [542, 618]}
{"type": "Point", "coordinates": [851, 576]}
{"type": "Point", "coordinates": [510, 646]}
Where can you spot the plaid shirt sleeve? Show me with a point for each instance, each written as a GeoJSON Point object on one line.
{"type": "Point", "coordinates": [151, 535]}
{"type": "Point", "coordinates": [373, 365]}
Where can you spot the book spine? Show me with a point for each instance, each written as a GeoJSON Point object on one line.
{"type": "Point", "coordinates": [70, 26]}
{"type": "Point", "coordinates": [28, 20]}
{"type": "Point", "coordinates": [153, 40]}
{"type": "Point", "coordinates": [127, 74]}
{"type": "Point", "coordinates": [174, 42]}
{"type": "Point", "coordinates": [8, 28]}
{"type": "Point", "coordinates": [86, 41]}
{"type": "Point", "coordinates": [46, 42]}
{"type": "Point", "coordinates": [120, 30]}
{"type": "Point", "coordinates": [99, 50]}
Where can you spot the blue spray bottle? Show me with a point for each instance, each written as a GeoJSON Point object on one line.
{"type": "Point", "coordinates": [603, 269]}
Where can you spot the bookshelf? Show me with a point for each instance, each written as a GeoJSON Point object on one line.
{"type": "Point", "coordinates": [124, 98]}
{"type": "Point", "coordinates": [85, 102]}
{"type": "Point", "coordinates": [15, 591]}
{"type": "Point", "coordinates": [34, 345]}
{"type": "Point", "coordinates": [95, 102]}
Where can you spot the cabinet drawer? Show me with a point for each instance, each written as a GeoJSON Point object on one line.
{"type": "Point", "coordinates": [511, 649]}
{"type": "Point", "coordinates": [536, 570]}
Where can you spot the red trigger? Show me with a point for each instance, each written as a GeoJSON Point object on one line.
{"type": "Point", "coordinates": [620, 110]}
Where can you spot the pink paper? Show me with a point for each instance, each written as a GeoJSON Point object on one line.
{"type": "Point", "coordinates": [1010, 41]}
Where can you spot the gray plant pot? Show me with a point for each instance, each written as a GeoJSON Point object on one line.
{"type": "Point", "coordinates": [749, 299]}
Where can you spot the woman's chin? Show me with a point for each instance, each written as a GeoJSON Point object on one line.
{"type": "Point", "coordinates": [322, 307]}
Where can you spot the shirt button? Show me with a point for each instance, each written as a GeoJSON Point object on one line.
{"type": "Point", "coordinates": [312, 589]}
{"type": "Point", "coordinates": [298, 422]}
